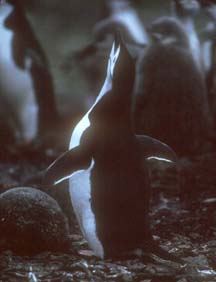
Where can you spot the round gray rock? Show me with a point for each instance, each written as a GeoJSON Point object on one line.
{"type": "Point", "coordinates": [31, 222]}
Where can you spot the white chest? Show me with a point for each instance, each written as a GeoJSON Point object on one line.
{"type": "Point", "coordinates": [80, 193]}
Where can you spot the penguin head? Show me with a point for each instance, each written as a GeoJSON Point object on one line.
{"type": "Point", "coordinates": [120, 65]}
{"type": "Point", "coordinates": [185, 8]}
{"type": "Point", "coordinates": [115, 97]}
{"type": "Point", "coordinates": [168, 31]}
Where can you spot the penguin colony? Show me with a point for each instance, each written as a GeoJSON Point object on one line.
{"type": "Point", "coordinates": [106, 163]}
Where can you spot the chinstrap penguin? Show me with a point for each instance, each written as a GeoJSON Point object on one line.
{"type": "Point", "coordinates": [106, 166]}
{"type": "Point", "coordinates": [27, 96]}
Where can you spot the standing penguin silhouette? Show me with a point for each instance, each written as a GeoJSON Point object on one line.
{"type": "Point", "coordinates": [208, 36]}
{"type": "Point", "coordinates": [26, 87]}
{"type": "Point", "coordinates": [171, 100]}
{"type": "Point", "coordinates": [106, 166]}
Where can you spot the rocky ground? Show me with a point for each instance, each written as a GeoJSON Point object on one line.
{"type": "Point", "coordinates": [182, 218]}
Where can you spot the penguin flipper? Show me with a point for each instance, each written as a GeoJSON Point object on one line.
{"type": "Point", "coordinates": [67, 163]}
{"type": "Point", "coordinates": [155, 149]}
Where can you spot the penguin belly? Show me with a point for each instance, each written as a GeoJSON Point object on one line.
{"type": "Point", "coordinates": [80, 193]}
{"type": "Point", "coordinates": [17, 92]}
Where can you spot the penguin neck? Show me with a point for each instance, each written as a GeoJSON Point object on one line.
{"type": "Point", "coordinates": [107, 86]}
{"type": "Point", "coordinates": [123, 120]}
{"type": "Point", "coordinates": [114, 105]}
